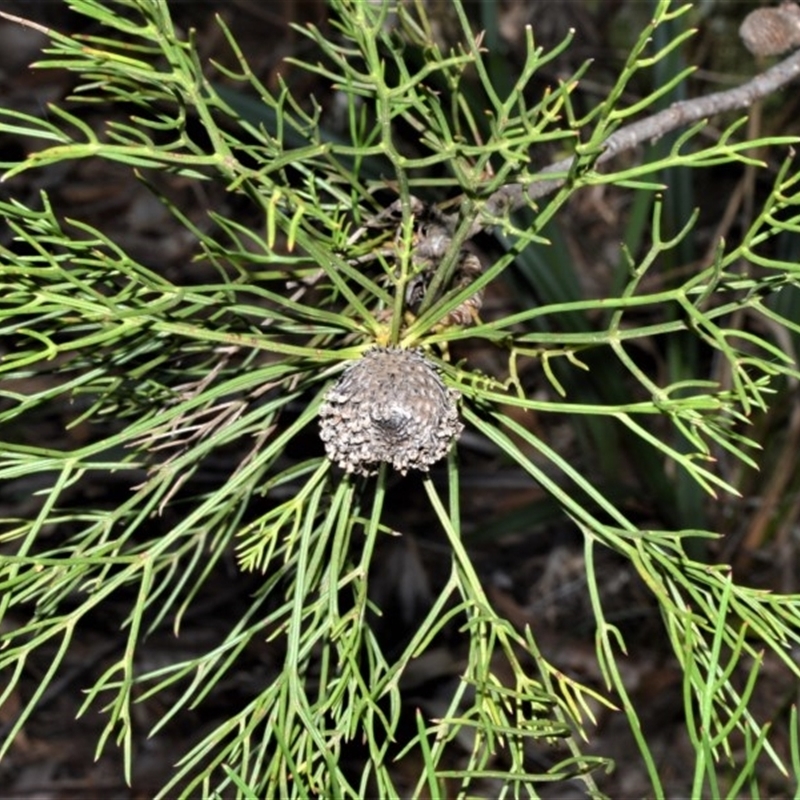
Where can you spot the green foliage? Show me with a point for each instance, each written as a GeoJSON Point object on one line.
{"type": "Point", "coordinates": [170, 372]}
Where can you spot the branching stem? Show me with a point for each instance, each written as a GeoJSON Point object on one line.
{"type": "Point", "coordinates": [514, 195]}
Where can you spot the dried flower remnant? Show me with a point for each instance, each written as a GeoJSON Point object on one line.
{"type": "Point", "coordinates": [431, 244]}
{"type": "Point", "coordinates": [772, 31]}
{"type": "Point", "coordinates": [390, 406]}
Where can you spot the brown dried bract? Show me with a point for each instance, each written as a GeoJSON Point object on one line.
{"type": "Point", "coordinates": [772, 31]}
{"type": "Point", "coordinates": [390, 406]}
{"type": "Point", "coordinates": [432, 241]}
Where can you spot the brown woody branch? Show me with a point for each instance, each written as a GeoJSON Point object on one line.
{"type": "Point", "coordinates": [680, 114]}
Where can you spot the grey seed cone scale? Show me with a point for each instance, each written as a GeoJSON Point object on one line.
{"type": "Point", "coordinates": [772, 31]}
{"type": "Point", "coordinates": [390, 406]}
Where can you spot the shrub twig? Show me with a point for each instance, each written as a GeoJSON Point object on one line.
{"type": "Point", "coordinates": [515, 195]}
